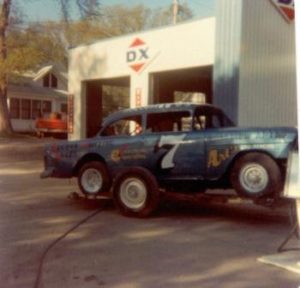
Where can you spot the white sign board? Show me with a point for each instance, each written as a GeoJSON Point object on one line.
{"type": "Point", "coordinates": [292, 182]}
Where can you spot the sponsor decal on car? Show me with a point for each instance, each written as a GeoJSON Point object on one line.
{"type": "Point", "coordinates": [217, 157]}
{"type": "Point", "coordinates": [130, 154]}
{"type": "Point", "coordinates": [116, 155]}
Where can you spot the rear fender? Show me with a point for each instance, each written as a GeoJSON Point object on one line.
{"type": "Point", "coordinates": [237, 156]}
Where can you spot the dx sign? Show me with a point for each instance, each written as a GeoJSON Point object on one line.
{"type": "Point", "coordinates": [140, 54]}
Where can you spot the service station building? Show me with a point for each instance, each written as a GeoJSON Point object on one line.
{"type": "Point", "coordinates": [242, 60]}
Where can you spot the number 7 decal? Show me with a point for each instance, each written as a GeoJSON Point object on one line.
{"type": "Point", "coordinates": [171, 142]}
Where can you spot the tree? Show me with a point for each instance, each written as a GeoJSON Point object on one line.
{"type": "Point", "coordinates": [88, 9]}
{"type": "Point", "coordinates": [164, 16]}
{"type": "Point", "coordinates": [121, 19]}
{"type": "Point", "coordinates": [17, 56]}
{"type": "Point", "coordinates": [5, 125]}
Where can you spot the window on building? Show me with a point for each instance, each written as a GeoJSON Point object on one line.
{"type": "Point", "coordinates": [46, 108]}
{"type": "Point", "coordinates": [46, 80]}
{"type": "Point", "coordinates": [53, 81]}
{"type": "Point", "coordinates": [25, 109]}
{"type": "Point", "coordinates": [50, 81]}
{"type": "Point", "coordinates": [14, 108]}
{"type": "Point", "coordinates": [64, 108]}
{"type": "Point", "coordinates": [36, 109]}
{"type": "Point", "coordinates": [28, 109]}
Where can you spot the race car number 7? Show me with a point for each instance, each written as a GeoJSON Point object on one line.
{"type": "Point", "coordinates": [174, 141]}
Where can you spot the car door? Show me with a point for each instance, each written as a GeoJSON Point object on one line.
{"type": "Point", "coordinates": [218, 148]}
{"type": "Point", "coordinates": [173, 150]}
{"type": "Point", "coordinates": [122, 143]}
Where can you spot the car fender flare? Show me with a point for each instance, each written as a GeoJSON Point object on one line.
{"type": "Point", "coordinates": [242, 153]}
{"type": "Point", "coordinates": [227, 166]}
{"type": "Point", "coordinates": [86, 158]}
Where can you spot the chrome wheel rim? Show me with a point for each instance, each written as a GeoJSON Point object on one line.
{"type": "Point", "coordinates": [254, 178]}
{"type": "Point", "coordinates": [91, 181]}
{"type": "Point", "coordinates": [133, 193]}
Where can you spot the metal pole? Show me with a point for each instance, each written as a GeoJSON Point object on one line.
{"type": "Point", "coordinates": [297, 30]}
{"type": "Point", "coordinates": [175, 11]}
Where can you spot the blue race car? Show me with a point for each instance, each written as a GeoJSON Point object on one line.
{"type": "Point", "coordinates": [180, 147]}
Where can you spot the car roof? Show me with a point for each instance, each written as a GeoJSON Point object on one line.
{"type": "Point", "coordinates": [156, 108]}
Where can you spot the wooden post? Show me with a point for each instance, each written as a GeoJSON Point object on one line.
{"type": "Point", "coordinates": [298, 216]}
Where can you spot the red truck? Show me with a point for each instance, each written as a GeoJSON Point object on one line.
{"type": "Point", "coordinates": [54, 124]}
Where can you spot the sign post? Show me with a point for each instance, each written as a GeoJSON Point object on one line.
{"type": "Point", "coordinates": [292, 191]}
{"type": "Point", "coordinates": [70, 114]}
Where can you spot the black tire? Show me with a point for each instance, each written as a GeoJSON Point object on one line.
{"type": "Point", "coordinates": [136, 192]}
{"type": "Point", "coordinates": [256, 175]}
{"type": "Point", "coordinates": [93, 178]}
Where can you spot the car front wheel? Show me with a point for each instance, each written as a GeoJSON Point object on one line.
{"type": "Point", "coordinates": [93, 178]}
{"type": "Point", "coordinates": [256, 175]}
{"type": "Point", "coordinates": [136, 192]}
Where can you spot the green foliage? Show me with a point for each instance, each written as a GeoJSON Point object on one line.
{"type": "Point", "coordinates": [29, 49]}
{"type": "Point", "coordinates": [120, 19]}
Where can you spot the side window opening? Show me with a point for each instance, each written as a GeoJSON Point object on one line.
{"type": "Point", "coordinates": [129, 126]}
{"type": "Point", "coordinates": [169, 122]}
{"type": "Point", "coordinates": [209, 118]}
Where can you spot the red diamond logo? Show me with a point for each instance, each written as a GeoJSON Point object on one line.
{"type": "Point", "coordinates": [137, 55]}
{"type": "Point", "coordinates": [137, 42]}
{"type": "Point", "coordinates": [137, 67]}
{"type": "Point", "coordinates": [286, 8]}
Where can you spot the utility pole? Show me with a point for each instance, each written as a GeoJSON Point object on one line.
{"type": "Point", "coordinates": [175, 11]}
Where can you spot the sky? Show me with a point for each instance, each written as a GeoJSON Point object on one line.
{"type": "Point", "coordinates": [43, 10]}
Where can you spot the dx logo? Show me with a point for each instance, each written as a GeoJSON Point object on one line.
{"type": "Point", "coordinates": [137, 55]}
{"type": "Point", "coordinates": [286, 8]}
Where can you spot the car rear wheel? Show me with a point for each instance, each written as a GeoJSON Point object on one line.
{"type": "Point", "coordinates": [93, 178]}
{"type": "Point", "coordinates": [256, 175]}
{"type": "Point", "coordinates": [136, 192]}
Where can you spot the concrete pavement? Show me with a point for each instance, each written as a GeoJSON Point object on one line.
{"type": "Point", "coordinates": [184, 245]}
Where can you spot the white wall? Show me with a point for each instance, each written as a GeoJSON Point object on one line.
{"type": "Point", "coordinates": [23, 125]}
{"type": "Point", "coordinates": [174, 47]}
